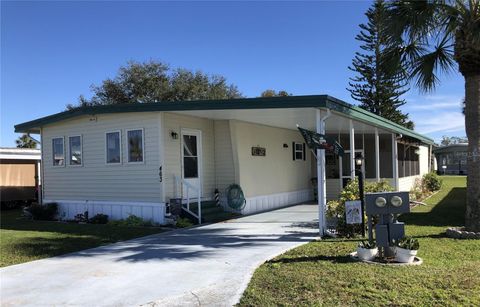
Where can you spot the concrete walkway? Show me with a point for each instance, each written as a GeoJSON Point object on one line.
{"type": "Point", "coordinates": [207, 265]}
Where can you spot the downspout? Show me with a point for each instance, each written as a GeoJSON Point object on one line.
{"type": "Point", "coordinates": [322, 184]}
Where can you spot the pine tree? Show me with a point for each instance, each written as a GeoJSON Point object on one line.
{"type": "Point", "coordinates": [25, 141]}
{"type": "Point", "coordinates": [377, 88]}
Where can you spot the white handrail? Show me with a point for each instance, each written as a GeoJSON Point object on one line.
{"type": "Point", "coordinates": [189, 186]}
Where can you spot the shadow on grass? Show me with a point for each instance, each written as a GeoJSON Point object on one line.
{"type": "Point", "coordinates": [42, 247]}
{"type": "Point", "coordinates": [332, 259]}
{"type": "Point", "coordinates": [432, 236]}
{"type": "Point", "coordinates": [12, 221]}
{"type": "Point", "coordinates": [448, 212]}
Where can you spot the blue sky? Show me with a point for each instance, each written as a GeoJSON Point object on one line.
{"type": "Point", "coordinates": [51, 52]}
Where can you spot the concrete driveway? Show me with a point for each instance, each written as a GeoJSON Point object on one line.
{"type": "Point", "coordinates": [207, 265]}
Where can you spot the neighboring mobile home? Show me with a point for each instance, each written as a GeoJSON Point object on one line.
{"type": "Point", "coordinates": [452, 159]}
{"type": "Point", "coordinates": [133, 158]}
{"type": "Point", "coordinates": [19, 175]}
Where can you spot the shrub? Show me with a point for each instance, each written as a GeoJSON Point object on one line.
{"type": "Point", "coordinates": [81, 217]}
{"type": "Point", "coordinates": [132, 221]}
{"type": "Point", "coordinates": [408, 243]}
{"type": "Point", "coordinates": [99, 219]}
{"type": "Point", "coordinates": [366, 244]}
{"type": "Point", "coordinates": [336, 208]}
{"type": "Point", "coordinates": [432, 182]}
{"type": "Point", "coordinates": [46, 212]}
{"type": "Point", "coordinates": [183, 222]}
{"type": "Point", "coordinates": [418, 190]}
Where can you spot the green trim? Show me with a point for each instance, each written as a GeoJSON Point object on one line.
{"type": "Point", "coordinates": [360, 114]}
{"type": "Point", "coordinates": [313, 101]}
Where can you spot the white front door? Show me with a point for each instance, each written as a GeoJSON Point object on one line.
{"type": "Point", "coordinates": [191, 162]}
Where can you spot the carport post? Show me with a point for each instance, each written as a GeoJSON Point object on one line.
{"type": "Point", "coordinates": [395, 161]}
{"type": "Point", "coordinates": [352, 151]}
{"type": "Point", "coordinates": [377, 155]}
{"type": "Point", "coordinates": [322, 195]}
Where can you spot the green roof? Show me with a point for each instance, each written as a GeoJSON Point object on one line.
{"type": "Point", "coordinates": [313, 101]}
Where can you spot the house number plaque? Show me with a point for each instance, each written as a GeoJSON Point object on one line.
{"type": "Point", "coordinates": [258, 151]}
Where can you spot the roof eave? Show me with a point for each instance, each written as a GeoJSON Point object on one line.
{"type": "Point", "coordinates": [317, 101]}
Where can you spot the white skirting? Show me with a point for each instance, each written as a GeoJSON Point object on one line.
{"type": "Point", "coordinates": [274, 201]}
{"type": "Point", "coordinates": [115, 210]}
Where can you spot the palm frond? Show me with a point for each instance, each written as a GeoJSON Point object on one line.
{"type": "Point", "coordinates": [426, 67]}
{"type": "Point", "coordinates": [412, 20]}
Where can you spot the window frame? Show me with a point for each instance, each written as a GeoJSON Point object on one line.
{"type": "Point", "coordinates": [69, 150]}
{"type": "Point", "coordinates": [302, 151]}
{"type": "Point", "coordinates": [120, 149]}
{"type": "Point", "coordinates": [128, 146]}
{"type": "Point", "coordinates": [53, 151]}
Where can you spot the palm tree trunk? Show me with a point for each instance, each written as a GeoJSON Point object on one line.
{"type": "Point", "coordinates": [472, 125]}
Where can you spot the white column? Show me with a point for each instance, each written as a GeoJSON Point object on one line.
{"type": "Point", "coordinates": [395, 161]}
{"type": "Point", "coordinates": [162, 144]}
{"type": "Point", "coordinates": [39, 179]}
{"type": "Point", "coordinates": [377, 155]}
{"type": "Point", "coordinates": [430, 164]}
{"type": "Point", "coordinates": [322, 186]}
{"type": "Point", "coordinates": [352, 151]}
{"type": "Point", "coordinates": [42, 167]}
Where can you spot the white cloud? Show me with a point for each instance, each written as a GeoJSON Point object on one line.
{"type": "Point", "coordinates": [435, 106]}
{"type": "Point", "coordinates": [434, 122]}
{"type": "Point", "coordinates": [434, 103]}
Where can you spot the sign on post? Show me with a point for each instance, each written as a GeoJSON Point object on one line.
{"type": "Point", "coordinates": [353, 212]}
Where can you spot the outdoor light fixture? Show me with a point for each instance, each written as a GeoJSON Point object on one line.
{"type": "Point", "coordinates": [174, 135]}
{"type": "Point", "coordinates": [396, 201]}
{"type": "Point", "coordinates": [285, 145]}
{"type": "Point", "coordinates": [358, 159]}
{"type": "Point", "coordinates": [359, 173]}
{"type": "Point", "coordinates": [380, 202]}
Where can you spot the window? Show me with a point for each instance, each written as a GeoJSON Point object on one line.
{"type": "Point", "coordinates": [298, 151]}
{"type": "Point", "coordinates": [113, 148]}
{"type": "Point", "coordinates": [190, 156]}
{"type": "Point", "coordinates": [408, 161]}
{"type": "Point", "coordinates": [135, 145]}
{"type": "Point", "coordinates": [58, 152]}
{"type": "Point", "coordinates": [75, 150]}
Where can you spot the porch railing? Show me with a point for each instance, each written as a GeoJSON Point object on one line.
{"type": "Point", "coordinates": [185, 188]}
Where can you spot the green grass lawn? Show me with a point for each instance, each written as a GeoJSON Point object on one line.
{"type": "Point", "coordinates": [23, 240]}
{"type": "Point", "coordinates": [321, 272]}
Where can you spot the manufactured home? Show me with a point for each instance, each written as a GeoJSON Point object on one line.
{"type": "Point", "coordinates": [452, 159]}
{"type": "Point", "coordinates": [134, 158]}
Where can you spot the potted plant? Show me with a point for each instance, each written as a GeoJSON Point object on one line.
{"type": "Point", "coordinates": [366, 251]}
{"type": "Point", "coordinates": [406, 250]}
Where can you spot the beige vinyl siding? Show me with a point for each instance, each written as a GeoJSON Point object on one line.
{"type": "Point", "coordinates": [174, 122]}
{"type": "Point", "coordinates": [277, 172]}
{"type": "Point", "coordinates": [224, 165]}
{"type": "Point", "coordinates": [95, 180]}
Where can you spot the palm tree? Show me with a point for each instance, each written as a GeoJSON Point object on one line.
{"type": "Point", "coordinates": [434, 36]}
{"type": "Point", "coordinates": [25, 141]}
